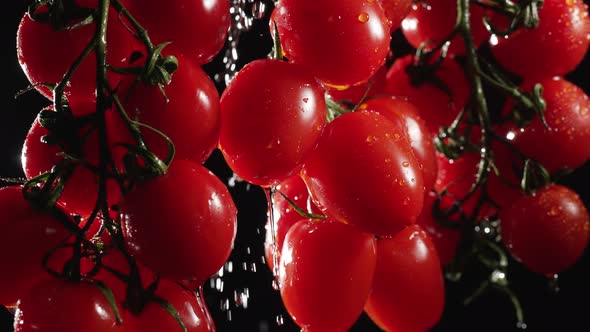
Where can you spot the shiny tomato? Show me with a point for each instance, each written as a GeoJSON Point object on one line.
{"type": "Point", "coordinates": [285, 215]}
{"type": "Point", "coordinates": [408, 289]}
{"type": "Point", "coordinates": [433, 21]}
{"type": "Point", "coordinates": [396, 10]}
{"type": "Point", "coordinates": [364, 172]}
{"type": "Point", "coordinates": [196, 29]}
{"type": "Point", "coordinates": [182, 224]}
{"type": "Point", "coordinates": [546, 231]}
{"type": "Point", "coordinates": [271, 116]}
{"type": "Point", "coordinates": [558, 44]}
{"type": "Point", "coordinates": [325, 274]}
{"type": "Point", "coordinates": [405, 115]}
{"type": "Point", "coordinates": [312, 32]}
{"type": "Point", "coordinates": [373, 87]}
{"type": "Point", "coordinates": [568, 117]}
{"type": "Point", "coordinates": [45, 54]}
{"type": "Point", "coordinates": [26, 236]}
{"type": "Point", "coordinates": [438, 103]}
{"type": "Point", "coordinates": [188, 114]}
{"type": "Point", "coordinates": [66, 306]}
{"type": "Point", "coordinates": [191, 309]}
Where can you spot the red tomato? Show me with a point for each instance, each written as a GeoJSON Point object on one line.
{"type": "Point", "coordinates": [325, 274]}
{"type": "Point", "coordinates": [456, 177]}
{"type": "Point", "coordinates": [191, 310]}
{"type": "Point", "coordinates": [65, 306]}
{"type": "Point", "coordinates": [364, 172]}
{"type": "Point", "coordinates": [45, 54]}
{"type": "Point", "coordinates": [197, 28]}
{"type": "Point", "coordinates": [548, 230]}
{"type": "Point", "coordinates": [568, 117]}
{"type": "Point", "coordinates": [559, 43]}
{"type": "Point", "coordinates": [312, 32]}
{"type": "Point", "coordinates": [182, 224]}
{"type": "Point", "coordinates": [189, 117]}
{"type": "Point", "coordinates": [435, 106]}
{"type": "Point", "coordinates": [80, 192]}
{"type": "Point", "coordinates": [405, 115]}
{"type": "Point", "coordinates": [375, 86]}
{"type": "Point", "coordinates": [434, 21]}
{"type": "Point", "coordinates": [408, 289]}
{"type": "Point", "coordinates": [445, 239]}
{"type": "Point", "coordinates": [285, 215]}
{"type": "Point", "coordinates": [271, 116]}
{"type": "Point", "coordinates": [396, 10]}
{"type": "Point", "coordinates": [26, 236]}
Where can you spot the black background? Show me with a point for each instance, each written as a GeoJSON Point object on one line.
{"type": "Point", "coordinates": [545, 309]}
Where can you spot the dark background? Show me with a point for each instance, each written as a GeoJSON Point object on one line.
{"type": "Point", "coordinates": [545, 309]}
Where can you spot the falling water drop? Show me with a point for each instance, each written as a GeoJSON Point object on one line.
{"type": "Point", "coordinates": [258, 9]}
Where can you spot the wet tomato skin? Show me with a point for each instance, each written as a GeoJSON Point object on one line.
{"type": "Point", "coordinates": [271, 116]}
{"type": "Point", "coordinates": [311, 32]}
{"type": "Point", "coordinates": [404, 114]}
{"type": "Point", "coordinates": [408, 288]}
{"type": "Point", "coordinates": [548, 230]}
{"type": "Point", "coordinates": [364, 172]}
{"type": "Point", "coordinates": [325, 274]}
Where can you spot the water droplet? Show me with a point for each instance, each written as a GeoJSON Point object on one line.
{"type": "Point", "coordinates": [405, 164]}
{"type": "Point", "coordinates": [258, 9]}
{"type": "Point", "coordinates": [305, 100]}
{"type": "Point", "coordinates": [363, 17]}
{"type": "Point", "coordinates": [371, 139]}
{"type": "Point", "coordinates": [280, 321]}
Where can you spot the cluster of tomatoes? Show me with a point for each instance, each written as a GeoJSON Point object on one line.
{"type": "Point", "coordinates": [376, 172]}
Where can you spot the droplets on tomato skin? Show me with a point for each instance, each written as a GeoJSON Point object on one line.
{"type": "Point", "coordinates": [408, 292]}
{"type": "Point", "coordinates": [271, 116]}
{"type": "Point", "coordinates": [325, 274]}
{"type": "Point", "coordinates": [546, 231]}
{"type": "Point", "coordinates": [365, 192]}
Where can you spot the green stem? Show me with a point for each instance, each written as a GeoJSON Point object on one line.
{"type": "Point", "coordinates": [141, 32]}
{"type": "Point", "coordinates": [58, 92]}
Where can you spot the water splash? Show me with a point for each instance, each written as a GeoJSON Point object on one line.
{"type": "Point", "coordinates": [242, 13]}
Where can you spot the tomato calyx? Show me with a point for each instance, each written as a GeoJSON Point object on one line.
{"type": "Point", "coordinates": [521, 14]}
{"type": "Point", "coordinates": [60, 13]}
{"type": "Point", "coordinates": [303, 213]}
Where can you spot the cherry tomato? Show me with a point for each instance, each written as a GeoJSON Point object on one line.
{"type": "Point", "coordinates": [438, 103]}
{"type": "Point", "coordinates": [196, 29]}
{"type": "Point", "coordinates": [325, 274]}
{"type": "Point", "coordinates": [188, 114]}
{"type": "Point", "coordinates": [81, 189]}
{"type": "Point", "coordinates": [191, 309]}
{"type": "Point", "coordinates": [405, 115]}
{"type": "Point", "coordinates": [45, 54]}
{"type": "Point", "coordinates": [568, 117]}
{"type": "Point", "coordinates": [364, 172]}
{"type": "Point", "coordinates": [285, 215]}
{"type": "Point", "coordinates": [66, 306]}
{"type": "Point", "coordinates": [408, 289]}
{"type": "Point", "coordinates": [312, 32]}
{"type": "Point", "coordinates": [396, 10]}
{"type": "Point", "coordinates": [182, 224]}
{"type": "Point", "coordinates": [433, 21]}
{"type": "Point", "coordinates": [445, 239]}
{"type": "Point", "coordinates": [558, 44]}
{"type": "Point", "coordinates": [271, 116]}
{"type": "Point", "coordinates": [548, 230]}
{"type": "Point", "coordinates": [26, 236]}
